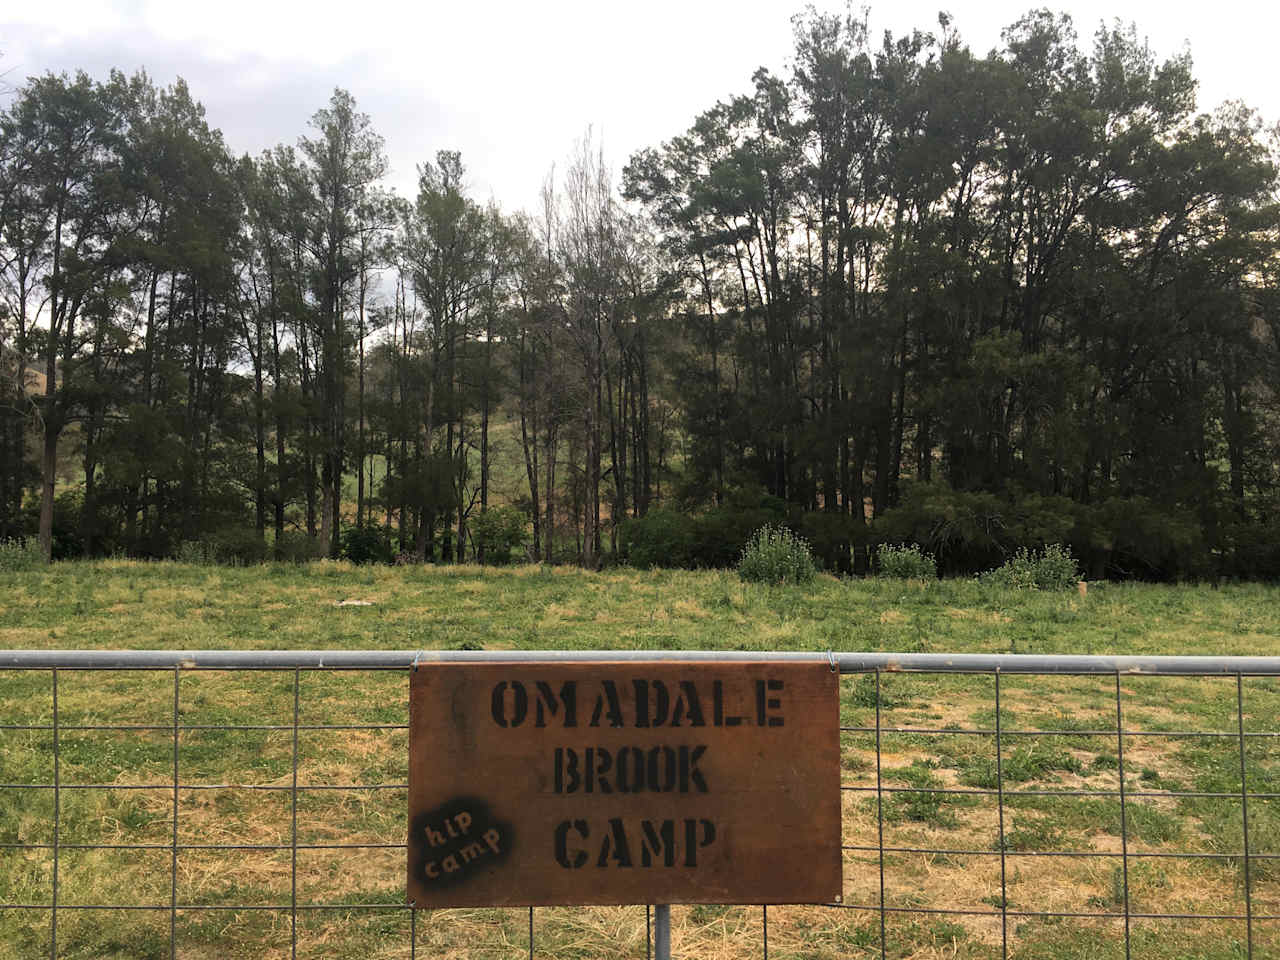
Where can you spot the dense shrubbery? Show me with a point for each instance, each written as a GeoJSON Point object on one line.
{"type": "Point", "coordinates": [68, 541]}
{"type": "Point", "coordinates": [1252, 550]}
{"type": "Point", "coordinates": [295, 547]}
{"type": "Point", "coordinates": [1131, 537]}
{"type": "Point", "coordinates": [905, 562]}
{"type": "Point", "coordinates": [776, 555]}
{"type": "Point", "coordinates": [16, 555]}
{"type": "Point", "coordinates": [946, 532]}
{"type": "Point", "coordinates": [714, 538]}
{"type": "Point", "coordinates": [1050, 569]}
{"type": "Point", "coordinates": [661, 538]}
{"type": "Point", "coordinates": [497, 531]}
{"type": "Point", "coordinates": [834, 539]}
{"type": "Point", "coordinates": [231, 546]}
{"type": "Point", "coordinates": [238, 546]}
{"type": "Point", "coordinates": [366, 545]}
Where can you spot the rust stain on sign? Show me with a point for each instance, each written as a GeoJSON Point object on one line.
{"type": "Point", "coordinates": [577, 783]}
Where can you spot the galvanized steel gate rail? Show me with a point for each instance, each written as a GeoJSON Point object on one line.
{"type": "Point", "coordinates": [658, 936]}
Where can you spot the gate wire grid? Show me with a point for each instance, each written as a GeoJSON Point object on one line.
{"type": "Point", "coordinates": [10, 661]}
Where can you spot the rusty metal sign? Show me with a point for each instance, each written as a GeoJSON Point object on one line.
{"type": "Point", "coordinates": [637, 782]}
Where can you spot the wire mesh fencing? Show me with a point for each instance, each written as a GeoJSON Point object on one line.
{"type": "Point", "coordinates": [168, 804]}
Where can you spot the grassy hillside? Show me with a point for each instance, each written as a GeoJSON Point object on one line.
{"type": "Point", "coordinates": [129, 604]}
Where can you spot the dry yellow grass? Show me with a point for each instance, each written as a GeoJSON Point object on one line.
{"type": "Point", "coordinates": [131, 604]}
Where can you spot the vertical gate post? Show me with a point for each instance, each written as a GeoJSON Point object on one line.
{"type": "Point", "coordinates": [662, 932]}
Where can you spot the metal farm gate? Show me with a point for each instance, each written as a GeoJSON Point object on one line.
{"type": "Point", "coordinates": [1234, 743]}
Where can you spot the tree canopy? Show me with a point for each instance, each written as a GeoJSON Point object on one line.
{"type": "Point", "coordinates": [901, 293]}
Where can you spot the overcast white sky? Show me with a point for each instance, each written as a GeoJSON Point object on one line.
{"type": "Point", "coordinates": [513, 85]}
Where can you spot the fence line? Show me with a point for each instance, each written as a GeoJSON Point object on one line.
{"type": "Point", "coordinates": [845, 662]}
{"type": "Point", "coordinates": [870, 665]}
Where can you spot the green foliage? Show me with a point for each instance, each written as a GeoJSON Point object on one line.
{"type": "Point", "coordinates": [661, 538]}
{"type": "Point", "coordinates": [1131, 537]}
{"type": "Point", "coordinates": [296, 547]}
{"type": "Point", "coordinates": [366, 545]}
{"type": "Point", "coordinates": [1020, 765]}
{"type": "Point", "coordinates": [1252, 550]}
{"type": "Point", "coordinates": [964, 530]}
{"type": "Point", "coordinates": [720, 534]}
{"type": "Point", "coordinates": [832, 537]}
{"type": "Point", "coordinates": [237, 546]}
{"type": "Point", "coordinates": [193, 552]}
{"type": "Point", "coordinates": [907, 562]}
{"type": "Point", "coordinates": [1139, 537]}
{"type": "Point", "coordinates": [232, 546]}
{"type": "Point", "coordinates": [1034, 834]}
{"type": "Point", "coordinates": [775, 555]}
{"type": "Point", "coordinates": [67, 514]}
{"type": "Point", "coordinates": [712, 539]}
{"type": "Point", "coordinates": [497, 532]}
{"type": "Point", "coordinates": [19, 555]}
{"type": "Point", "coordinates": [1050, 569]}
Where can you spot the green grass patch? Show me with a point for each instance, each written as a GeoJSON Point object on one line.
{"type": "Point", "coordinates": [126, 604]}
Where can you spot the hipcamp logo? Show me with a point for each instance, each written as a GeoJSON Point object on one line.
{"type": "Point", "coordinates": [456, 840]}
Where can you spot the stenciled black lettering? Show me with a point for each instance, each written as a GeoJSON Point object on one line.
{"type": "Point", "coordinates": [661, 841]}
{"type": "Point", "coordinates": [662, 769]}
{"type": "Point", "coordinates": [573, 779]}
{"type": "Point", "coordinates": [690, 775]}
{"type": "Point", "coordinates": [774, 703]}
{"type": "Point", "coordinates": [578, 858]}
{"type": "Point", "coordinates": [615, 845]}
{"type": "Point", "coordinates": [519, 706]}
{"type": "Point", "coordinates": [630, 769]}
{"type": "Point", "coordinates": [717, 707]}
{"type": "Point", "coordinates": [691, 844]}
{"type": "Point", "coordinates": [546, 703]}
{"type": "Point", "coordinates": [661, 703]}
{"type": "Point", "coordinates": [604, 762]}
{"type": "Point", "coordinates": [687, 704]}
{"type": "Point", "coordinates": [607, 706]}
{"type": "Point", "coordinates": [642, 702]}
{"type": "Point", "coordinates": [766, 703]}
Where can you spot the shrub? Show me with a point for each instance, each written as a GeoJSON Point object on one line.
{"type": "Point", "coordinates": [907, 562]}
{"type": "Point", "coordinates": [296, 547]}
{"type": "Point", "coordinates": [712, 539]}
{"type": "Point", "coordinates": [67, 528]}
{"type": "Point", "coordinates": [661, 538]}
{"type": "Point", "coordinates": [235, 546]}
{"type": "Point", "coordinates": [1137, 537]}
{"type": "Point", "coordinates": [964, 530]}
{"type": "Point", "coordinates": [19, 555]}
{"type": "Point", "coordinates": [1054, 568]}
{"type": "Point", "coordinates": [1252, 550]}
{"type": "Point", "coordinates": [366, 545]}
{"type": "Point", "coordinates": [497, 531]}
{"type": "Point", "coordinates": [776, 555]}
{"type": "Point", "coordinates": [231, 546]}
{"type": "Point", "coordinates": [193, 552]}
{"type": "Point", "coordinates": [834, 538]}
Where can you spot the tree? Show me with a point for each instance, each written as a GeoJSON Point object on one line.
{"type": "Point", "coordinates": [344, 162]}
{"type": "Point", "coordinates": [63, 139]}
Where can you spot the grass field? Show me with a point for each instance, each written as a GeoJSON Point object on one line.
{"type": "Point", "coordinates": [137, 605]}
